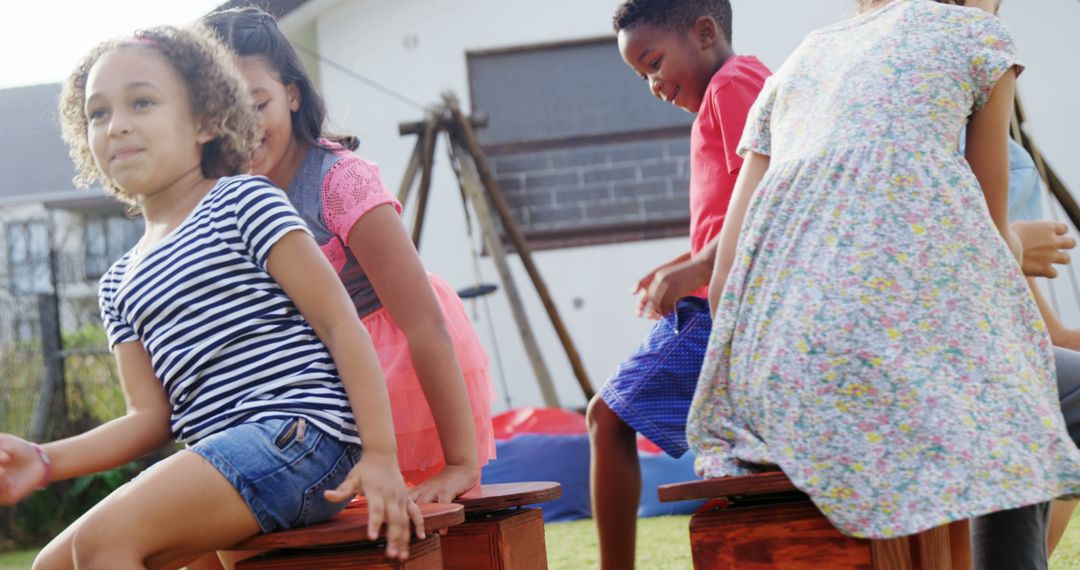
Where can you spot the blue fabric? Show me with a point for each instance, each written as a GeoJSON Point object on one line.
{"type": "Point", "coordinates": [280, 467]}
{"type": "Point", "coordinates": [652, 389]}
{"type": "Point", "coordinates": [564, 458]}
{"type": "Point", "coordinates": [659, 469]}
{"type": "Point", "coordinates": [1025, 189]}
{"type": "Point", "coordinates": [544, 457]}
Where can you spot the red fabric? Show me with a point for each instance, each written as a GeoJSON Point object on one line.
{"type": "Point", "coordinates": [538, 420]}
{"type": "Point", "coordinates": [714, 138]}
{"type": "Point", "coordinates": [551, 421]}
{"type": "Point", "coordinates": [419, 447]}
{"type": "Point", "coordinates": [646, 445]}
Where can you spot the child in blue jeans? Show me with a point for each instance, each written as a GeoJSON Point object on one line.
{"type": "Point", "coordinates": [231, 331]}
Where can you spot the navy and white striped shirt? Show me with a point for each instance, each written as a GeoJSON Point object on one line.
{"type": "Point", "coordinates": [225, 340]}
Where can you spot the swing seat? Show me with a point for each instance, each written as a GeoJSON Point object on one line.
{"type": "Point", "coordinates": [478, 290]}
{"type": "Point", "coordinates": [499, 533]}
{"type": "Point", "coordinates": [341, 543]}
{"type": "Point", "coordinates": [761, 522]}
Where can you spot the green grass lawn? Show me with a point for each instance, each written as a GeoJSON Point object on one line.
{"type": "Point", "coordinates": [17, 560]}
{"type": "Point", "coordinates": [663, 544]}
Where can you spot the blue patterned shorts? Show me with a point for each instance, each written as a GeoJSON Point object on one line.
{"type": "Point", "coordinates": [652, 389]}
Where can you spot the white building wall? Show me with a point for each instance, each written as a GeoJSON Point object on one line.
{"type": "Point", "coordinates": [417, 48]}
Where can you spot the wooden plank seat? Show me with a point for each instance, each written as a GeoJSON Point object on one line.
{"type": "Point", "coordinates": [762, 521]}
{"type": "Point", "coordinates": [342, 543]}
{"type": "Point", "coordinates": [499, 531]}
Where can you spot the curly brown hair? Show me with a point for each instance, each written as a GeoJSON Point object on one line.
{"type": "Point", "coordinates": [219, 100]}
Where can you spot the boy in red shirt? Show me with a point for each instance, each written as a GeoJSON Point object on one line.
{"type": "Point", "coordinates": [682, 50]}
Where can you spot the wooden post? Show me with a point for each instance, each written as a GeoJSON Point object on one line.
{"type": "Point", "coordinates": [410, 173]}
{"type": "Point", "coordinates": [51, 403]}
{"type": "Point", "coordinates": [477, 120]}
{"type": "Point", "coordinates": [471, 186]}
{"type": "Point", "coordinates": [468, 136]}
{"type": "Point", "coordinates": [427, 159]}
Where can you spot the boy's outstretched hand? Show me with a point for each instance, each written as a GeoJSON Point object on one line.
{"type": "Point", "coordinates": [21, 469]}
{"type": "Point", "coordinates": [663, 286]}
{"type": "Point", "coordinates": [377, 478]}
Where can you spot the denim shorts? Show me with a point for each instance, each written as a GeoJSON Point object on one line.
{"type": "Point", "coordinates": [281, 466]}
{"type": "Point", "coordinates": [652, 389]}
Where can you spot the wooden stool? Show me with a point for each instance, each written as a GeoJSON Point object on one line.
{"type": "Point", "coordinates": [498, 533]}
{"type": "Point", "coordinates": [763, 522]}
{"type": "Point", "coordinates": [341, 543]}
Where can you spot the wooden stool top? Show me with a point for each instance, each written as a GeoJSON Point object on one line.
{"type": "Point", "coordinates": [726, 487]}
{"type": "Point", "coordinates": [502, 496]}
{"type": "Point", "coordinates": [349, 526]}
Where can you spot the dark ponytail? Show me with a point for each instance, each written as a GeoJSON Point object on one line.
{"type": "Point", "coordinates": [251, 32]}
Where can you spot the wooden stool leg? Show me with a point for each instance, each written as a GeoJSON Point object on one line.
{"type": "Point", "coordinates": [790, 535]}
{"type": "Point", "coordinates": [506, 540]}
{"type": "Point", "coordinates": [960, 544]}
{"type": "Point", "coordinates": [928, 550]}
{"type": "Point", "coordinates": [424, 554]}
{"type": "Point", "coordinates": [933, 548]}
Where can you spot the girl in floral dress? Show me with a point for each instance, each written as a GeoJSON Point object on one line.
{"type": "Point", "coordinates": [873, 334]}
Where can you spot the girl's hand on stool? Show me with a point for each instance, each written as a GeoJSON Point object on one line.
{"type": "Point", "coordinates": [376, 476]}
{"type": "Point", "coordinates": [22, 469]}
{"type": "Point", "coordinates": [447, 485]}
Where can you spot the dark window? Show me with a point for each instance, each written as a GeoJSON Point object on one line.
{"type": "Point", "coordinates": [107, 238]}
{"type": "Point", "coordinates": [581, 150]}
{"type": "Point", "coordinates": [25, 328]}
{"type": "Point", "coordinates": [28, 257]}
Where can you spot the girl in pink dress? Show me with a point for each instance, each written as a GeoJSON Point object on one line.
{"type": "Point", "coordinates": [435, 366]}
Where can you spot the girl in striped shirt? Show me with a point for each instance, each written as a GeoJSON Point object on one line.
{"type": "Point", "coordinates": [232, 333]}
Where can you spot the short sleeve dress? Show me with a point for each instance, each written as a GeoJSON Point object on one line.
{"type": "Point", "coordinates": [332, 190]}
{"type": "Point", "coordinates": [875, 338]}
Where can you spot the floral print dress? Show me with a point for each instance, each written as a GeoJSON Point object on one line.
{"type": "Point", "coordinates": [875, 338]}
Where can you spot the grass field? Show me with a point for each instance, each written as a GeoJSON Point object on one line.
{"type": "Point", "coordinates": [663, 544]}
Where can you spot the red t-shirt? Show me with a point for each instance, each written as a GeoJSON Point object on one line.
{"type": "Point", "coordinates": [714, 138]}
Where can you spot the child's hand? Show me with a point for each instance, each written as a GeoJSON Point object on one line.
{"type": "Point", "coordinates": [669, 284]}
{"type": "Point", "coordinates": [447, 485]}
{"type": "Point", "coordinates": [641, 289]}
{"type": "Point", "coordinates": [21, 469]}
{"type": "Point", "coordinates": [378, 479]}
{"type": "Point", "coordinates": [1044, 244]}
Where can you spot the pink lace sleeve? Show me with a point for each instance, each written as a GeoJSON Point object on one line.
{"type": "Point", "coordinates": [351, 189]}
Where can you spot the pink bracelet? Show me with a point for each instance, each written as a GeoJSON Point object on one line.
{"type": "Point", "coordinates": [44, 457]}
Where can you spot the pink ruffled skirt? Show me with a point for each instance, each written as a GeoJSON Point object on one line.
{"type": "Point", "coordinates": [419, 449]}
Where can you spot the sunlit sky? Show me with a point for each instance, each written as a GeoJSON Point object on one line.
{"type": "Point", "coordinates": [42, 40]}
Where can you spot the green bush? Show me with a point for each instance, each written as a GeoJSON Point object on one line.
{"type": "Point", "coordinates": [45, 513]}
{"type": "Point", "coordinates": [93, 396]}
{"type": "Point", "coordinates": [20, 367]}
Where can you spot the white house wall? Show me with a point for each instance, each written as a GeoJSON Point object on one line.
{"type": "Point", "coordinates": [417, 48]}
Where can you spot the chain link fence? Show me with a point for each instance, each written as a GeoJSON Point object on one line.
{"type": "Point", "coordinates": [57, 375]}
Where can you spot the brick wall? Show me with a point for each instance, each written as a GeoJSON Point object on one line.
{"type": "Point", "coordinates": [560, 195]}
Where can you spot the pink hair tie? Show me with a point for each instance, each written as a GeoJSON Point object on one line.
{"type": "Point", "coordinates": [44, 457]}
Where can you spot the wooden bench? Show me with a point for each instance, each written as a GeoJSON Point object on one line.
{"type": "Point", "coordinates": [499, 533]}
{"type": "Point", "coordinates": [341, 543]}
{"type": "Point", "coordinates": [761, 522]}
